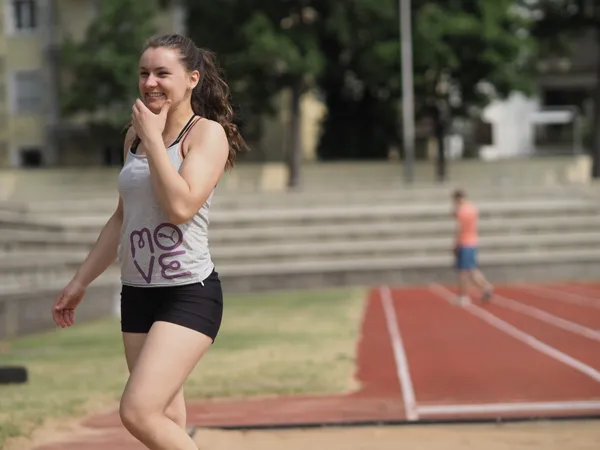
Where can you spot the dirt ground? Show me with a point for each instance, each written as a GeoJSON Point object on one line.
{"type": "Point", "coordinates": [571, 435]}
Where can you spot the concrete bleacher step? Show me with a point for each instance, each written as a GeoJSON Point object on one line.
{"type": "Point", "coordinates": [407, 247]}
{"type": "Point", "coordinates": [23, 221]}
{"type": "Point", "coordinates": [381, 197]}
{"type": "Point", "coordinates": [33, 281]}
{"type": "Point", "coordinates": [224, 236]}
{"type": "Point", "coordinates": [85, 183]}
{"type": "Point", "coordinates": [26, 268]}
{"type": "Point", "coordinates": [231, 236]}
{"type": "Point", "coordinates": [398, 214]}
{"type": "Point", "coordinates": [269, 274]}
{"type": "Point", "coordinates": [227, 201]}
{"type": "Point", "coordinates": [17, 239]}
{"type": "Point", "coordinates": [506, 266]}
{"type": "Point", "coordinates": [21, 264]}
{"type": "Point", "coordinates": [342, 214]}
{"type": "Point", "coordinates": [26, 307]}
{"type": "Point", "coordinates": [442, 261]}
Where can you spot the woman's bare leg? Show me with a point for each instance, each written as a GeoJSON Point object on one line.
{"type": "Point", "coordinates": [167, 356]}
{"type": "Point", "coordinates": [133, 343]}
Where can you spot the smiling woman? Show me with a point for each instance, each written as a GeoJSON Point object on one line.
{"type": "Point", "coordinates": [181, 140]}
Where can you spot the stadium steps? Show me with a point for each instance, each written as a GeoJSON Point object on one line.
{"type": "Point", "coordinates": [311, 239]}
{"type": "Point", "coordinates": [284, 240]}
{"type": "Point", "coordinates": [225, 236]}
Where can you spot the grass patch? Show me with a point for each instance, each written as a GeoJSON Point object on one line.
{"type": "Point", "coordinates": [269, 344]}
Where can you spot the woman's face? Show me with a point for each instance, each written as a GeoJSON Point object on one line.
{"type": "Point", "coordinates": [162, 76]}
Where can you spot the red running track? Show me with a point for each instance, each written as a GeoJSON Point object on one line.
{"type": "Point", "coordinates": [499, 359]}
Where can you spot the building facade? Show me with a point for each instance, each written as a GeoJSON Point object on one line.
{"type": "Point", "coordinates": [30, 32]}
{"type": "Point", "coordinates": [570, 81]}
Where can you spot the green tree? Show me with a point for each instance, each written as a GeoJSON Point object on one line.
{"type": "Point", "coordinates": [465, 53]}
{"type": "Point", "coordinates": [99, 76]}
{"type": "Point", "coordinates": [265, 47]}
{"type": "Point", "coordinates": [361, 82]}
{"type": "Point", "coordinates": [469, 53]}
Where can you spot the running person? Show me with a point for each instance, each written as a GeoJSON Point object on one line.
{"type": "Point", "coordinates": [180, 141]}
{"type": "Point", "coordinates": [466, 248]}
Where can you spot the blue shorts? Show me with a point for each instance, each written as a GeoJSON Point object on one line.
{"type": "Point", "coordinates": [466, 258]}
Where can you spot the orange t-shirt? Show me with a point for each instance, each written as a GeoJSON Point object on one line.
{"type": "Point", "coordinates": [467, 216]}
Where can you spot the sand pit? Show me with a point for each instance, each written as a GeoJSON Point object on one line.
{"type": "Point", "coordinates": [557, 435]}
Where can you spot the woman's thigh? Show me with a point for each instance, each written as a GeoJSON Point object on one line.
{"type": "Point", "coordinates": [168, 355]}
{"type": "Point", "coordinates": [133, 344]}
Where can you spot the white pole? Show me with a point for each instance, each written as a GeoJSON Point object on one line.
{"type": "Point", "coordinates": [408, 119]}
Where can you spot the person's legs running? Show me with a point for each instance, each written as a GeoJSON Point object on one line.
{"type": "Point", "coordinates": [482, 283]}
{"type": "Point", "coordinates": [463, 287]}
{"type": "Point", "coordinates": [477, 277]}
{"type": "Point", "coordinates": [464, 264]}
{"type": "Point", "coordinates": [167, 357]}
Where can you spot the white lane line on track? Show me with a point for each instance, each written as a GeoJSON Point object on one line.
{"type": "Point", "coordinates": [519, 334]}
{"type": "Point", "coordinates": [402, 370]}
{"type": "Point", "coordinates": [566, 406]}
{"type": "Point", "coordinates": [544, 316]}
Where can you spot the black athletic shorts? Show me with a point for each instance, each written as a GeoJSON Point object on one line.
{"type": "Point", "coordinates": [198, 306]}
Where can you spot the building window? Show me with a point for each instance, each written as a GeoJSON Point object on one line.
{"type": "Point", "coordinates": [23, 15]}
{"type": "Point", "coordinates": [27, 91]}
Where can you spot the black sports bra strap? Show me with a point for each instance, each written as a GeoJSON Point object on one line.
{"type": "Point", "coordinates": [187, 126]}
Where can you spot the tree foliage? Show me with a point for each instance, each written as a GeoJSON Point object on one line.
{"type": "Point", "coordinates": [466, 53]}
{"type": "Point", "coordinates": [361, 83]}
{"type": "Point", "coordinates": [218, 26]}
{"type": "Point", "coordinates": [556, 23]}
{"type": "Point", "coordinates": [461, 45]}
{"type": "Point", "coordinates": [264, 45]}
{"type": "Point", "coordinates": [99, 73]}
{"type": "Point", "coordinates": [273, 47]}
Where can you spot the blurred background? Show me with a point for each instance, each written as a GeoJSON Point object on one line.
{"type": "Point", "coordinates": [361, 116]}
{"type": "Point", "coordinates": [488, 80]}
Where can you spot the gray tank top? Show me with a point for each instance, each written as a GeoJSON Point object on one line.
{"type": "Point", "coordinates": [152, 251]}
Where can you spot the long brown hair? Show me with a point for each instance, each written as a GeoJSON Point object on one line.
{"type": "Point", "coordinates": [211, 96]}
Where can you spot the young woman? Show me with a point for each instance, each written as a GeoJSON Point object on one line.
{"type": "Point", "coordinates": [180, 141]}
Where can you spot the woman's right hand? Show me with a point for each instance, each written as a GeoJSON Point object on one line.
{"type": "Point", "coordinates": [65, 303]}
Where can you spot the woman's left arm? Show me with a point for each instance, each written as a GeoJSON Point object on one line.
{"type": "Point", "coordinates": [181, 194]}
